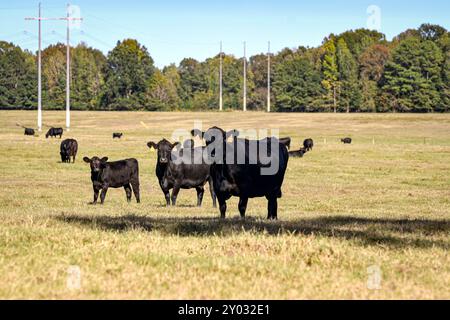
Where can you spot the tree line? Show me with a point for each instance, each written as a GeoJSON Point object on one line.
{"type": "Point", "coordinates": [356, 71]}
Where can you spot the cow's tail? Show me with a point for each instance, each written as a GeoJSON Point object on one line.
{"type": "Point", "coordinates": [211, 190]}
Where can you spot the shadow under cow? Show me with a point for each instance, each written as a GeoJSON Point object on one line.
{"type": "Point", "coordinates": [390, 232]}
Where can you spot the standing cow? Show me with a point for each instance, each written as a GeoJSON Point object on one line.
{"type": "Point", "coordinates": [117, 135]}
{"type": "Point", "coordinates": [118, 174]}
{"type": "Point", "coordinates": [54, 132]}
{"type": "Point", "coordinates": [29, 132]}
{"type": "Point", "coordinates": [250, 178]}
{"type": "Point", "coordinates": [308, 144]}
{"type": "Point", "coordinates": [346, 140]}
{"type": "Point", "coordinates": [68, 148]}
{"type": "Point", "coordinates": [189, 173]}
{"type": "Point", "coordinates": [298, 153]}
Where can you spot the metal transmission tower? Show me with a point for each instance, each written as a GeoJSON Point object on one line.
{"type": "Point", "coordinates": [220, 79]}
{"type": "Point", "coordinates": [268, 77]}
{"type": "Point", "coordinates": [245, 77]}
{"type": "Point", "coordinates": [39, 19]}
{"type": "Point", "coordinates": [68, 19]}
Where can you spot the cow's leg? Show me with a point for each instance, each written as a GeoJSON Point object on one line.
{"type": "Point", "coordinates": [211, 190]}
{"type": "Point", "coordinates": [222, 207]}
{"type": "Point", "coordinates": [127, 188]}
{"type": "Point", "coordinates": [200, 192]}
{"type": "Point", "coordinates": [96, 191]}
{"type": "Point", "coordinates": [175, 191]}
{"type": "Point", "coordinates": [272, 207]}
{"type": "Point", "coordinates": [167, 196]}
{"type": "Point", "coordinates": [136, 191]}
{"type": "Point", "coordinates": [73, 158]}
{"type": "Point", "coordinates": [103, 194]}
{"type": "Point", "coordinates": [242, 206]}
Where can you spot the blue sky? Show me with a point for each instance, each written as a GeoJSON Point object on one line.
{"type": "Point", "coordinates": [174, 29]}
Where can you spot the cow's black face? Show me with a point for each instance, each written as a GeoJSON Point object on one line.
{"type": "Point", "coordinates": [96, 163]}
{"type": "Point", "coordinates": [164, 149]}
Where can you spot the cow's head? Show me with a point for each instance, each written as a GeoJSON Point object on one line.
{"type": "Point", "coordinates": [164, 149]}
{"type": "Point", "coordinates": [47, 134]}
{"type": "Point", "coordinates": [213, 134]}
{"type": "Point", "coordinates": [96, 163]}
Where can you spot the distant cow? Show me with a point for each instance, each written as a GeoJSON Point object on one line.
{"type": "Point", "coordinates": [249, 179]}
{"type": "Point", "coordinates": [29, 132]}
{"type": "Point", "coordinates": [308, 144]}
{"type": "Point", "coordinates": [286, 141]}
{"type": "Point", "coordinates": [68, 148]}
{"type": "Point", "coordinates": [54, 132]}
{"type": "Point", "coordinates": [346, 140]}
{"type": "Point", "coordinates": [118, 174]}
{"type": "Point", "coordinates": [298, 153]}
{"type": "Point", "coordinates": [184, 175]}
{"type": "Point", "coordinates": [117, 135]}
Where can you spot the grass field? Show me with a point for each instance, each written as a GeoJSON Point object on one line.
{"type": "Point", "coordinates": [382, 202]}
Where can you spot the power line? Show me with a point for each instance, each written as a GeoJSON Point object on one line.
{"type": "Point", "coordinates": [68, 19]}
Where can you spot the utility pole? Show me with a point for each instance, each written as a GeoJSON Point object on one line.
{"type": "Point", "coordinates": [245, 77]}
{"type": "Point", "coordinates": [220, 80]}
{"type": "Point", "coordinates": [68, 19]}
{"type": "Point", "coordinates": [268, 77]}
{"type": "Point", "coordinates": [39, 118]}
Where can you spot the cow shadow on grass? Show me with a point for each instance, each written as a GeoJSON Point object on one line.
{"type": "Point", "coordinates": [381, 232]}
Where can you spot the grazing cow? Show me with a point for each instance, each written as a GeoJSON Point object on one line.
{"type": "Point", "coordinates": [245, 179]}
{"type": "Point", "coordinates": [69, 148]}
{"type": "Point", "coordinates": [286, 141]}
{"type": "Point", "coordinates": [298, 153]}
{"type": "Point", "coordinates": [181, 175]}
{"type": "Point", "coordinates": [346, 140]}
{"type": "Point", "coordinates": [29, 132]}
{"type": "Point", "coordinates": [54, 132]}
{"type": "Point", "coordinates": [308, 144]}
{"type": "Point", "coordinates": [117, 135]}
{"type": "Point", "coordinates": [118, 174]}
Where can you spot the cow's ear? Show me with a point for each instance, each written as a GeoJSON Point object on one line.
{"type": "Point", "coordinates": [197, 133]}
{"type": "Point", "coordinates": [153, 145]}
{"type": "Point", "coordinates": [175, 144]}
{"type": "Point", "coordinates": [87, 160]}
{"type": "Point", "coordinates": [232, 133]}
{"type": "Point", "coordinates": [104, 160]}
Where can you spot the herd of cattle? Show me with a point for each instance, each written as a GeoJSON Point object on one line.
{"type": "Point", "coordinates": [226, 178]}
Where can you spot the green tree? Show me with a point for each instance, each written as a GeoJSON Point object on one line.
{"type": "Point", "coordinates": [349, 91]}
{"type": "Point", "coordinates": [128, 72]}
{"type": "Point", "coordinates": [413, 76]}
{"type": "Point", "coordinates": [18, 77]}
{"type": "Point", "coordinates": [372, 62]}
{"type": "Point", "coordinates": [330, 74]}
{"type": "Point", "coordinates": [54, 76]}
{"type": "Point", "coordinates": [87, 65]}
{"type": "Point", "coordinates": [162, 92]}
{"type": "Point", "coordinates": [297, 85]}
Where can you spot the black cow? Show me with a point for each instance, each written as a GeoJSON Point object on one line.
{"type": "Point", "coordinates": [117, 135]}
{"type": "Point", "coordinates": [286, 141]}
{"type": "Point", "coordinates": [68, 148]}
{"type": "Point", "coordinates": [29, 132]}
{"type": "Point", "coordinates": [346, 140]}
{"type": "Point", "coordinates": [184, 175]}
{"type": "Point", "coordinates": [298, 153]}
{"type": "Point", "coordinates": [54, 132]}
{"type": "Point", "coordinates": [308, 144]}
{"type": "Point", "coordinates": [123, 173]}
{"type": "Point", "coordinates": [245, 180]}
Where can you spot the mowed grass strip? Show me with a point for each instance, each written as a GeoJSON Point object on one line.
{"type": "Point", "coordinates": [382, 202]}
